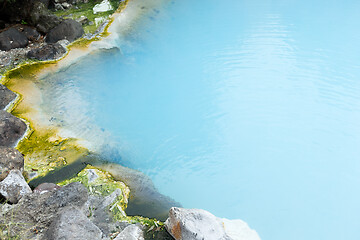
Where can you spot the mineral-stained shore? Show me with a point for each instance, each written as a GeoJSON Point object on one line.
{"type": "Point", "coordinates": [52, 188]}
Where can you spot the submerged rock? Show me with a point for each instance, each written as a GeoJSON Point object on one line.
{"type": "Point", "coordinates": [12, 38]}
{"type": "Point", "coordinates": [47, 52]}
{"type": "Point", "coordinates": [6, 96]}
{"type": "Point", "coordinates": [72, 224]}
{"type": "Point", "coordinates": [194, 224]}
{"type": "Point", "coordinates": [69, 29]}
{"type": "Point", "coordinates": [14, 187]}
{"type": "Point", "coordinates": [10, 159]}
{"type": "Point", "coordinates": [11, 129]}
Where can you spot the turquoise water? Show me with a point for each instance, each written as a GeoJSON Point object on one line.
{"type": "Point", "coordinates": [248, 109]}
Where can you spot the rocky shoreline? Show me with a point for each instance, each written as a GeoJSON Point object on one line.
{"type": "Point", "coordinates": [90, 204]}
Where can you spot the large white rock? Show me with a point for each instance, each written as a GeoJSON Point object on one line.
{"type": "Point", "coordinates": [131, 232]}
{"type": "Point", "coordinates": [194, 224]}
{"type": "Point", "coordinates": [104, 6]}
{"type": "Point", "coordinates": [239, 230]}
{"type": "Point", "coordinates": [14, 186]}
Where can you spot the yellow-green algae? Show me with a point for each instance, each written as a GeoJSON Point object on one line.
{"type": "Point", "coordinates": [103, 186]}
{"type": "Point", "coordinates": [45, 151]}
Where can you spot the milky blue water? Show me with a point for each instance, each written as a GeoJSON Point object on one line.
{"type": "Point", "coordinates": [249, 109]}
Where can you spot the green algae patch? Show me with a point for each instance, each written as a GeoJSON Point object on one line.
{"type": "Point", "coordinates": [44, 153]}
{"type": "Point", "coordinates": [101, 183]}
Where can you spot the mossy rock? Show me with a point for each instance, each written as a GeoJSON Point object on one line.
{"type": "Point", "coordinates": [101, 183]}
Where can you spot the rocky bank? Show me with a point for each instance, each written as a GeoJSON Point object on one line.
{"type": "Point", "coordinates": [89, 204]}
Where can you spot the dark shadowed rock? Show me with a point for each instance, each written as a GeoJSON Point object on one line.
{"type": "Point", "coordinates": [11, 129]}
{"type": "Point", "coordinates": [72, 224]}
{"type": "Point", "coordinates": [69, 29]}
{"type": "Point", "coordinates": [14, 186]}
{"type": "Point", "coordinates": [46, 187]}
{"type": "Point", "coordinates": [30, 33]}
{"type": "Point", "coordinates": [10, 159]}
{"type": "Point", "coordinates": [12, 38]}
{"type": "Point", "coordinates": [47, 52]}
{"type": "Point", "coordinates": [47, 22]}
{"type": "Point", "coordinates": [194, 224]}
{"type": "Point", "coordinates": [6, 96]}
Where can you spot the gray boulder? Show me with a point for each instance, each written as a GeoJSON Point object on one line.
{"type": "Point", "coordinates": [47, 52]}
{"type": "Point", "coordinates": [10, 159]}
{"type": "Point", "coordinates": [72, 224]}
{"type": "Point", "coordinates": [35, 212]}
{"type": "Point", "coordinates": [46, 187]}
{"type": "Point", "coordinates": [131, 232]}
{"type": "Point", "coordinates": [11, 129]}
{"type": "Point", "coordinates": [74, 194]}
{"type": "Point", "coordinates": [194, 224]}
{"type": "Point", "coordinates": [69, 29]}
{"type": "Point", "coordinates": [14, 187]}
{"type": "Point", "coordinates": [12, 38]}
{"type": "Point", "coordinates": [6, 96]}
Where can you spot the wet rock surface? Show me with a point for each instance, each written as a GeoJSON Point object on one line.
{"type": "Point", "coordinates": [6, 96]}
{"type": "Point", "coordinates": [10, 159]}
{"type": "Point", "coordinates": [47, 52]}
{"type": "Point", "coordinates": [12, 129]}
{"type": "Point", "coordinates": [68, 29]}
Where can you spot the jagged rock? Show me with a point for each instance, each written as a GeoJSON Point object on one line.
{"type": "Point", "coordinates": [37, 211]}
{"type": "Point", "coordinates": [46, 187]}
{"type": "Point", "coordinates": [14, 186]}
{"type": "Point", "coordinates": [104, 6]}
{"type": "Point", "coordinates": [131, 232]}
{"type": "Point", "coordinates": [47, 52]}
{"type": "Point", "coordinates": [12, 38]}
{"type": "Point", "coordinates": [6, 96]}
{"type": "Point", "coordinates": [11, 129]}
{"type": "Point", "coordinates": [72, 224]}
{"type": "Point", "coordinates": [69, 29]}
{"type": "Point", "coordinates": [196, 224]}
{"type": "Point", "coordinates": [10, 159]}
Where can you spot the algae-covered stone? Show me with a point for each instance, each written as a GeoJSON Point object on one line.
{"type": "Point", "coordinates": [101, 183]}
